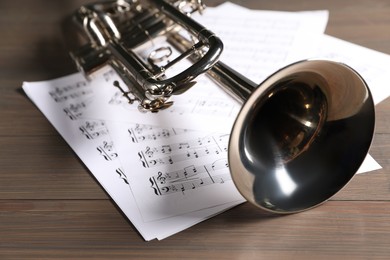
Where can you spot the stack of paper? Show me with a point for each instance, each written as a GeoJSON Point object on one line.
{"type": "Point", "coordinates": [169, 171]}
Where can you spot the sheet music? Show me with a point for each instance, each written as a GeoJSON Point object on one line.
{"type": "Point", "coordinates": [63, 102]}
{"type": "Point", "coordinates": [175, 174]}
{"type": "Point", "coordinates": [257, 43]}
{"type": "Point", "coordinates": [205, 107]}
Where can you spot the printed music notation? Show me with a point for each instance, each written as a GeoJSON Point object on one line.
{"type": "Point", "coordinates": [70, 92]}
{"type": "Point", "coordinates": [267, 50]}
{"type": "Point", "coordinates": [107, 150]}
{"type": "Point", "coordinates": [163, 170]}
{"type": "Point", "coordinates": [198, 105]}
{"type": "Point", "coordinates": [75, 110]}
{"type": "Point", "coordinates": [216, 106]}
{"type": "Point", "coordinates": [190, 178]}
{"type": "Point", "coordinates": [74, 97]}
{"type": "Point", "coordinates": [182, 151]}
{"type": "Point", "coordinates": [140, 133]}
{"type": "Point", "coordinates": [93, 129]}
{"type": "Point", "coordinates": [96, 135]}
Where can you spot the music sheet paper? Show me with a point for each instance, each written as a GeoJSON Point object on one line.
{"type": "Point", "coordinates": [256, 43]}
{"type": "Point", "coordinates": [63, 102]}
{"type": "Point", "coordinates": [169, 172]}
{"type": "Point", "coordinates": [175, 174]}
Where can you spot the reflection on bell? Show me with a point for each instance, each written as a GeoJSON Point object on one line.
{"type": "Point", "coordinates": [286, 184]}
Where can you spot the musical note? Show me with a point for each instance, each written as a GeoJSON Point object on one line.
{"type": "Point", "coordinates": [160, 178]}
{"type": "Point", "coordinates": [74, 111]}
{"type": "Point", "coordinates": [93, 129]}
{"type": "Point", "coordinates": [166, 154]}
{"type": "Point", "coordinates": [202, 145]}
{"type": "Point", "coordinates": [107, 151]}
{"type": "Point", "coordinates": [166, 149]}
{"type": "Point", "coordinates": [150, 151]}
{"type": "Point", "coordinates": [183, 145]}
{"type": "Point", "coordinates": [216, 106]}
{"type": "Point", "coordinates": [57, 95]}
{"type": "Point", "coordinates": [219, 164]}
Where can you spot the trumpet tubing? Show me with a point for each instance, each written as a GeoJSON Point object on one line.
{"type": "Point", "coordinates": [300, 135]}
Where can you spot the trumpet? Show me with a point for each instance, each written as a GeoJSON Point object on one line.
{"type": "Point", "coordinates": [300, 135]}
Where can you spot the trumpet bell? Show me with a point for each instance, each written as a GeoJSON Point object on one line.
{"type": "Point", "coordinates": [301, 136]}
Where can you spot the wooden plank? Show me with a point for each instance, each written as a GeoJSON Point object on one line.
{"type": "Point", "coordinates": [52, 208]}
{"type": "Point", "coordinates": [43, 167]}
{"type": "Point", "coordinates": [95, 229]}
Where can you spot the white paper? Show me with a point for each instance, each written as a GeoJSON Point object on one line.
{"type": "Point", "coordinates": [369, 164]}
{"type": "Point", "coordinates": [63, 101]}
{"type": "Point", "coordinates": [175, 174]}
{"type": "Point", "coordinates": [257, 43]}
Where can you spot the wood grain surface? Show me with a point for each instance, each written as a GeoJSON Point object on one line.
{"type": "Point", "coordinates": [51, 207]}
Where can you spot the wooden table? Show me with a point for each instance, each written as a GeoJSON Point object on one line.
{"type": "Point", "coordinates": [51, 206]}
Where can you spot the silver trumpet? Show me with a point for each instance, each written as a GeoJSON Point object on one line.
{"type": "Point", "coordinates": [300, 136]}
